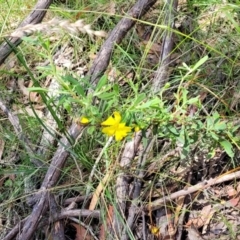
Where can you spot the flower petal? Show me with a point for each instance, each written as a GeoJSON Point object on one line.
{"type": "Point", "coordinates": [117, 117]}
{"type": "Point", "coordinates": [115, 128]}
{"type": "Point", "coordinates": [112, 120]}
{"type": "Point", "coordinates": [121, 131]}
{"type": "Point", "coordinates": [84, 120]}
{"type": "Point", "coordinates": [136, 128]}
{"type": "Point", "coordinates": [109, 122]}
{"type": "Point", "coordinates": [110, 131]}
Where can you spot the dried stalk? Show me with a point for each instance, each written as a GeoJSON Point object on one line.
{"type": "Point", "coordinates": [55, 26]}
{"type": "Point", "coordinates": [35, 16]}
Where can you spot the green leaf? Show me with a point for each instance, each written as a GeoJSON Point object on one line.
{"type": "Point", "coordinates": [193, 100]}
{"type": "Point", "coordinates": [102, 82]}
{"type": "Point", "coordinates": [8, 183]}
{"type": "Point", "coordinates": [91, 130]}
{"type": "Point", "coordinates": [151, 103]}
{"type": "Point", "coordinates": [76, 85]}
{"type": "Point", "coordinates": [37, 89]}
{"type": "Point", "coordinates": [214, 136]}
{"type": "Point", "coordinates": [106, 95]}
{"type": "Point", "coordinates": [173, 130]}
{"type": "Point", "coordinates": [216, 116]}
{"type": "Point", "coordinates": [227, 146]}
{"type": "Point", "coordinates": [116, 89]}
{"type": "Point", "coordinates": [220, 126]}
{"type": "Point", "coordinates": [139, 99]}
{"type": "Point", "coordinates": [31, 40]}
{"type": "Point", "coordinates": [199, 63]}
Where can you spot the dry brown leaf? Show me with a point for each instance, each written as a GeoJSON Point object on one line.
{"type": "Point", "coordinates": [29, 111]}
{"type": "Point", "coordinates": [207, 220]}
{"type": "Point", "coordinates": [171, 227]}
{"type": "Point", "coordinates": [140, 28]}
{"type": "Point", "coordinates": [102, 234]}
{"type": "Point", "coordinates": [231, 191]}
{"type": "Point", "coordinates": [10, 176]}
{"type": "Point", "coordinates": [193, 233]}
{"type": "Point", "coordinates": [232, 202]}
{"type": "Point", "coordinates": [199, 219]}
{"type": "Point", "coordinates": [113, 74]}
{"type": "Point", "coordinates": [2, 180]}
{"type": "Point", "coordinates": [180, 202]}
{"type": "Point", "coordinates": [81, 233]}
{"type": "Point", "coordinates": [34, 96]}
{"type": "Point", "coordinates": [98, 192]}
{"type": "Point", "coordinates": [153, 48]}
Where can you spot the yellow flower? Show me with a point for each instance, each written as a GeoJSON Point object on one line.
{"type": "Point", "coordinates": [114, 127]}
{"type": "Point", "coordinates": [136, 128]}
{"type": "Point", "coordinates": [154, 230]}
{"type": "Point", "coordinates": [84, 120]}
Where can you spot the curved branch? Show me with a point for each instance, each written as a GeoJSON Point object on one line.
{"type": "Point", "coordinates": [118, 33]}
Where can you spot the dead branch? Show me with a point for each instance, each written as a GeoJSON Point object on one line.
{"type": "Point", "coordinates": [122, 183]}
{"type": "Point", "coordinates": [198, 187]}
{"type": "Point", "coordinates": [77, 199]}
{"type": "Point", "coordinates": [57, 232]}
{"type": "Point", "coordinates": [100, 64]}
{"type": "Point", "coordinates": [34, 17]}
{"type": "Point", "coordinates": [133, 209]}
{"type": "Point", "coordinates": [162, 73]}
{"type": "Point", "coordinates": [49, 181]}
{"type": "Point", "coordinates": [56, 217]}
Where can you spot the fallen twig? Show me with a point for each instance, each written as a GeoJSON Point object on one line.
{"type": "Point", "coordinates": [122, 184]}
{"type": "Point", "coordinates": [57, 231]}
{"type": "Point", "coordinates": [198, 187]}
{"type": "Point", "coordinates": [49, 181]}
{"type": "Point", "coordinates": [54, 218]}
{"type": "Point", "coordinates": [138, 185]}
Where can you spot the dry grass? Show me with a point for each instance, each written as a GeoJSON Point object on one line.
{"type": "Point", "coordinates": [56, 25]}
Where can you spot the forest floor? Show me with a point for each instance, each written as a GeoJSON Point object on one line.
{"type": "Point", "coordinates": [119, 120]}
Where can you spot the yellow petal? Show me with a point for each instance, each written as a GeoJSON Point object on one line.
{"type": "Point", "coordinates": [121, 131]}
{"type": "Point", "coordinates": [120, 135]}
{"type": "Point", "coordinates": [122, 127]}
{"type": "Point", "coordinates": [110, 131]}
{"type": "Point", "coordinates": [117, 117]}
{"type": "Point", "coordinates": [112, 120]}
{"type": "Point", "coordinates": [84, 120]}
{"type": "Point", "coordinates": [137, 128]}
{"type": "Point", "coordinates": [154, 230]}
{"type": "Point", "coordinates": [109, 122]}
